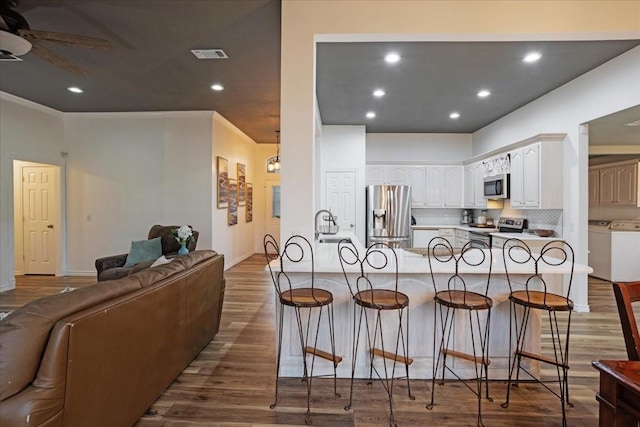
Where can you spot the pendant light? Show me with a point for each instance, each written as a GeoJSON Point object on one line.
{"type": "Point", "coordinates": [273, 163]}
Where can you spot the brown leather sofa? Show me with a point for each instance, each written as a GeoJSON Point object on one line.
{"type": "Point", "coordinates": [112, 267]}
{"type": "Point", "coordinates": [102, 355]}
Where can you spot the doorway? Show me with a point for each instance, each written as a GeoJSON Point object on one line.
{"type": "Point", "coordinates": [272, 209]}
{"type": "Point", "coordinates": [36, 218]}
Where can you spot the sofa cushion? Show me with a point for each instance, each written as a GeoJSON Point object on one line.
{"type": "Point", "coordinates": [144, 250]}
{"type": "Point", "coordinates": [25, 332]}
{"type": "Point", "coordinates": [114, 273]}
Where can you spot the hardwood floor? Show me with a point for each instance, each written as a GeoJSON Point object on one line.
{"type": "Point", "coordinates": [231, 382]}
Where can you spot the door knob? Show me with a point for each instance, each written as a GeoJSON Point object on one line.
{"type": "Point", "coordinates": [50, 226]}
{"type": "Point", "coordinates": [351, 225]}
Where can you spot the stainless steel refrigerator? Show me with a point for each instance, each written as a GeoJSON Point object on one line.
{"type": "Point", "coordinates": [389, 215]}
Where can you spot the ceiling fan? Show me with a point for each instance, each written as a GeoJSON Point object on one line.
{"type": "Point", "coordinates": [17, 38]}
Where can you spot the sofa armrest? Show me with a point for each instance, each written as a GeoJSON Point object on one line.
{"type": "Point", "coordinates": [110, 262]}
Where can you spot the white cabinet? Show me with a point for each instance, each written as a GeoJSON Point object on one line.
{"type": "Point", "coordinates": [436, 186]}
{"type": "Point", "coordinates": [461, 238]}
{"type": "Point", "coordinates": [453, 188]}
{"type": "Point", "coordinates": [536, 179]}
{"type": "Point", "coordinates": [421, 238]}
{"type": "Point", "coordinates": [376, 174]}
{"type": "Point", "coordinates": [398, 175]}
{"type": "Point", "coordinates": [618, 184]}
{"type": "Point", "coordinates": [387, 174]}
{"type": "Point", "coordinates": [474, 186]}
{"type": "Point", "coordinates": [418, 182]}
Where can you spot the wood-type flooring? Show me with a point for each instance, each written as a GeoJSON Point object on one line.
{"type": "Point", "coordinates": [231, 382]}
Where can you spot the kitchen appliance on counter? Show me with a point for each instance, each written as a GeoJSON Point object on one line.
{"type": "Point", "coordinates": [389, 215]}
{"type": "Point", "coordinates": [466, 218]}
{"type": "Point", "coordinates": [496, 187]}
{"type": "Point", "coordinates": [613, 249]}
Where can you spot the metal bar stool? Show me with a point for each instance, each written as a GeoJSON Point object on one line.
{"type": "Point", "coordinates": [303, 301]}
{"type": "Point", "coordinates": [366, 297]}
{"type": "Point", "coordinates": [452, 302]}
{"type": "Point", "coordinates": [533, 293]}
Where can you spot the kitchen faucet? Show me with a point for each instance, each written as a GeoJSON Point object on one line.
{"type": "Point", "coordinates": [315, 221]}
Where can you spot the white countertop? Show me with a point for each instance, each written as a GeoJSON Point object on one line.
{"type": "Point", "coordinates": [327, 261]}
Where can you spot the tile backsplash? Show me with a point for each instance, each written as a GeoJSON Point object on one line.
{"type": "Point", "coordinates": [549, 219]}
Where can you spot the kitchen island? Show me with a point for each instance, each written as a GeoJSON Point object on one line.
{"type": "Point", "coordinates": [415, 281]}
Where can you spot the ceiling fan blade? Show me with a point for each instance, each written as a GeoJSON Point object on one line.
{"type": "Point", "coordinates": [72, 40]}
{"type": "Point", "coordinates": [58, 60]}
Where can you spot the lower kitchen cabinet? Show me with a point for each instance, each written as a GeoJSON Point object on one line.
{"type": "Point", "coordinates": [421, 238]}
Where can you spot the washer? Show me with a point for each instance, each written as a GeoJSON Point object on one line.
{"type": "Point", "coordinates": [613, 250]}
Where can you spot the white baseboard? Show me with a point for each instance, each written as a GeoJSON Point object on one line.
{"type": "Point", "coordinates": [581, 308]}
{"type": "Point", "coordinates": [7, 287]}
{"type": "Point", "coordinates": [231, 263]}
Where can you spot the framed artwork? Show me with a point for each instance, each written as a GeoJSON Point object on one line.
{"type": "Point", "coordinates": [248, 213]}
{"type": "Point", "coordinates": [223, 183]}
{"type": "Point", "coordinates": [232, 210]}
{"type": "Point", "coordinates": [242, 180]}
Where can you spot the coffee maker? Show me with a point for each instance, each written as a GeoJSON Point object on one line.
{"type": "Point", "coordinates": [466, 218]}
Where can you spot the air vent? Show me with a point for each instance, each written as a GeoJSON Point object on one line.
{"type": "Point", "coordinates": [6, 56]}
{"type": "Point", "coordinates": [209, 53]}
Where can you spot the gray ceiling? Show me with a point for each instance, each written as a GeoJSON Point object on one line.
{"type": "Point", "coordinates": [151, 68]}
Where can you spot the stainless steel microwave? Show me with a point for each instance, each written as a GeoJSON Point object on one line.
{"type": "Point", "coordinates": [496, 187]}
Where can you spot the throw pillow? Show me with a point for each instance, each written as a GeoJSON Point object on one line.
{"type": "Point", "coordinates": [143, 250]}
{"type": "Point", "coordinates": [160, 261]}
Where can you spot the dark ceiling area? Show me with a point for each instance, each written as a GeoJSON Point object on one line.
{"type": "Point", "coordinates": [151, 68]}
{"type": "Point", "coordinates": [434, 79]}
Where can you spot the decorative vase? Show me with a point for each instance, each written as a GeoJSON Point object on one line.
{"type": "Point", "coordinates": [183, 249]}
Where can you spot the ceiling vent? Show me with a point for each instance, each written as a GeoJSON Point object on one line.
{"type": "Point", "coordinates": [209, 53]}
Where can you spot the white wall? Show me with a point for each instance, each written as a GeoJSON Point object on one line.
{"type": "Point", "coordinates": [129, 171]}
{"type": "Point", "coordinates": [28, 132]}
{"type": "Point", "coordinates": [344, 150]}
{"type": "Point", "coordinates": [418, 147]}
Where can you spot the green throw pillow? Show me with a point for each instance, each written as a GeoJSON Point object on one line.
{"type": "Point", "coordinates": [144, 250]}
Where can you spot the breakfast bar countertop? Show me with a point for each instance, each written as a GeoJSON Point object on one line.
{"type": "Point", "coordinates": [327, 261]}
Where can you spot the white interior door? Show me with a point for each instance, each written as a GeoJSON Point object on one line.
{"type": "Point", "coordinates": [340, 198]}
{"type": "Point", "coordinates": [272, 209]}
{"type": "Point", "coordinates": [38, 203]}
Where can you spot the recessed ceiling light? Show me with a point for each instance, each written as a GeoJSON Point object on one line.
{"type": "Point", "coordinates": [217, 87]}
{"type": "Point", "coordinates": [484, 93]}
{"type": "Point", "coordinates": [636, 123]}
{"type": "Point", "coordinates": [75, 89]}
{"type": "Point", "coordinates": [378, 93]}
{"type": "Point", "coordinates": [454, 115]}
{"type": "Point", "coordinates": [392, 58]}
{"type": "Point", "coordinates": [371, 115]}
{"type": "Point", "coordinates": [532, 57]}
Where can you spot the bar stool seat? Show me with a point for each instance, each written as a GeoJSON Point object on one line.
{"type": "Point", "coordinates": [382, 299]}
{"type": "Point", "coordinates": [306, 297]}
{"type": "Point", "coordinates": [464, 300]}
{"type": "Point", "coordinates": [542, 300]}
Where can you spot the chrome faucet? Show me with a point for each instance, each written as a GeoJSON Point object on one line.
{"type": "Point", "coordinates": [315, 221]}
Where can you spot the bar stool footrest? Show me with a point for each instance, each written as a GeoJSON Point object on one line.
{"type": "Point", "coordinates": [541, 358]}
{"type": "Point", "coordinates": [466, 356]}
{"type": "Point", "coordinates": [391, 356]}
{"type": "Point", "coordinates": [323, 354]}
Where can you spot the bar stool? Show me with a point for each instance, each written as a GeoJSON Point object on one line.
{"type": "Point", "coordinates": [376, 301]}
{"type": "Point", "coordinates": [303, 301]}
{"type": "Point", "coordinates": [459, 299]}
{"type": "Point", "coordinates": [532, 293]}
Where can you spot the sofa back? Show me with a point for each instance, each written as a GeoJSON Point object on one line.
{"type": "Point", "coordinates": [104, 363]}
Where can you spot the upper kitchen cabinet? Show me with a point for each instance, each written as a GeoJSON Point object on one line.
{"type": "Point", "coordinates": [618, 184]}
{"type": "Point", "coordinates": [536, 179]}
{"type": "Point", "coordinates": [436, 186]}
{"type": "Point", "coordinates": [387, 174]}
{"type": "Point", "coordinates": [474, 185]}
